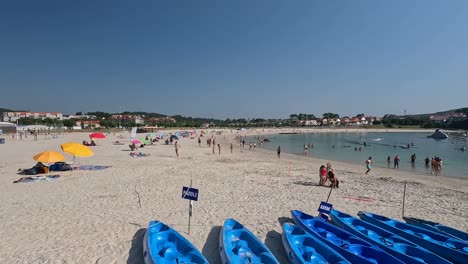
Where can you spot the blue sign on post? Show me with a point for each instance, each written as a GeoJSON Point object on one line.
{"type": "Point", "coordinates": [190, 193]}
{"type": "Point", "coordinates": [325, 207]}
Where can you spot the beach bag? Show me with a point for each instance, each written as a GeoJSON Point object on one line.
{"type": "Point", "coordinates": [66, 167]}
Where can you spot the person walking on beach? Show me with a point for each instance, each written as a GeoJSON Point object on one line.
{"type": "Point", "coordinates": [254, 145]}
{"type": "Point", "coordinates": [306, 149]}
{"type": "Point", "coordinates": [396, 162]}
{"type": "Point", "coordinates": [199, 141]}
{"type": "Point", "coordinates": [231, 147]}
{"type": "Point", "coordinates": [176, 147]}
{"type": "Point", "coordinates": [368, 165]}
{"type": "Point", "coordinates": [278, 151]}
{"type": "Point", "coordinates": [219, 149]}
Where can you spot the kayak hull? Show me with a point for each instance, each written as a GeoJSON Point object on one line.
{"type": "Point", "coordinates": [302, 247]}
{"type": "Point", "coordinates": [237, 245]}
{"type": "Point", "coordinates": [449, 248]}
{"type": "Point", "coordinates": [354, 249]}
{"type": "Point", "coordinates": [393, 244]}
{"type": "Point", "coordinates": [164, 245]}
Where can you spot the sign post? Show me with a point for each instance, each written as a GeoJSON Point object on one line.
{"type": "Point", "coordinates": [324, 209]}
{"type": "Point", "coordinates": [191, 194]}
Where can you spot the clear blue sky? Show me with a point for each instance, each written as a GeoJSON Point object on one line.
{"type": "Point", "coordinates": [245, 58]}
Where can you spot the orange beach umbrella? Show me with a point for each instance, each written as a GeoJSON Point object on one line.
{"type": "Point", "coordinates": [49, 157]}
{"type": "Point", "coordinates": [76, 149]}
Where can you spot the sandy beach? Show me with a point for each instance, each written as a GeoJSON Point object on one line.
{"type": "Point", "coordinates": [100, 216]}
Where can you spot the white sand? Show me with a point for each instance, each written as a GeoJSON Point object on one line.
{"type": "Point", "coordinates": [95, 217]}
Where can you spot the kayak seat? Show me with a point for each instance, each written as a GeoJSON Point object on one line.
{"type": "Point", "coordinates": [168, 250]}
{"type": "Point", "coordinates": [308, 253]}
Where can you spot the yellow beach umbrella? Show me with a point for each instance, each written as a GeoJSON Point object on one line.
{"type": "Point", "coordinates": [49, 157]}
{"type": "Point", "coordinates": [77, 149]}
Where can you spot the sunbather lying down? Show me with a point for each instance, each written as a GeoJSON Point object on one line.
{"type": "Point", "coordinates": [39, 168]}
{"type": "Point", "coordinates": [138, 154]}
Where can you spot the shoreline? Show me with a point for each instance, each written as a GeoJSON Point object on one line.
{"type": "Point", "coordinates": [265, 134]}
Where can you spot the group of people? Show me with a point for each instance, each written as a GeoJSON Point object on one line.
{"type": "Point", "coordinates": [436, 165]}
{"type": "Point", "coordinates": [327, 174]}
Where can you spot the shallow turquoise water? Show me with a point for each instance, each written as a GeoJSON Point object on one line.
{"type": "Point", "coordinates": [380, 146]}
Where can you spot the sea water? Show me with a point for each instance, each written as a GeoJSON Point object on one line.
{"type": "Point", "coordinates": [341, 146]}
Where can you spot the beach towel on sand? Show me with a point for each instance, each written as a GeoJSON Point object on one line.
{"type": "Point", "coordinates": [37, 178]}
{"type": "Point", "coordinates": [91, 167]}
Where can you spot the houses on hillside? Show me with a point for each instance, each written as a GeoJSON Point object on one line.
{"type": "Point", "coordinates": [344, 121]}
{"type": "Point", "coordinates": [14, 116]}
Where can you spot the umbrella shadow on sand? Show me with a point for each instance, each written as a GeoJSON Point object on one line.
{"type": "Point", "coordinates": [211, 248]}
{"type": "Point", "coordinates": [135, 254]}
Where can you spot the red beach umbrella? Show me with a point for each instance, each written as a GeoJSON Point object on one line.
{"type": "Point", "coordinates": [97, 135]}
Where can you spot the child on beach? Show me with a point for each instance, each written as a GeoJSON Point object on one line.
{"type": "Point", "coordinates": [219, 149]}
{"type": "Point", "coordinates": [278, 151]}
{"type": "Point", "coordinates": [368, 165]}
{"type": "Point", "coordinates": [323, 173]}
{"type": "Point", "coordinates": [333, 179]}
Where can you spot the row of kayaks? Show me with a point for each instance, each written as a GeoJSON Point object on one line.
{"type": "Point", "coordinates": [371, 238]}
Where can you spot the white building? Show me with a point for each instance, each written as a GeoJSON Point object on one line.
{"type": "Point", "coordinates": [13, 116]}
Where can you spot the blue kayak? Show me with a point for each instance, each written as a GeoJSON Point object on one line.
{"type": "Point", "coordinates": [164, 245]}
{"type": "Point", "coordinates": [237, 245]}
{"type": "Point", "coordinates": [436, 227]}
{"type": "Point", "coordinates": [348, 245]}
{"type": "Point", "coordinates": [302, 247]}
{"type": "Point", "coordinates": [395, 245]}
{"type": "Point", "coordinates": [452, 249]}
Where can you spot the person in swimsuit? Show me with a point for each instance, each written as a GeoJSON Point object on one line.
{"type": "Point", "coordinates": [368, 165]}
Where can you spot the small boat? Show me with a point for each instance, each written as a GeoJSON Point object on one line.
{"type": "Point", "coordinates": [449, 248]}
{"type": "Point", "coordinates": [164, 245]}
{"type": "Point", "coordinates": [354, 249]}
{"type": "Point", "coordinates": [436, 227]}
{"type": "Point", "coordinates": [438, 134]}
{"type": "Point", "coordinates": [238, 245]}
{"type": "Point", "coordinates": [395, 245]}
{"type": "Point", "coordinates": [302, 247]}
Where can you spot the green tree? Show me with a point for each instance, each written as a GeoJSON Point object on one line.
{"type": "Point", "coordinates": [330, 115]}
{"type": "Point", "coordinates": [68, 123]}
